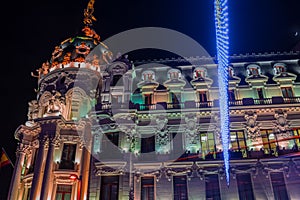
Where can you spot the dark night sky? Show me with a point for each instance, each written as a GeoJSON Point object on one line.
{"type": "Point", "coordinates": [32, 30]}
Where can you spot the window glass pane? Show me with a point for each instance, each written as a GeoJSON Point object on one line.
{"type": "Point", "coordinates": [109, 187]}
{"type": "Point", "coordinates": [147, 186]}
{"type": "Point", "coordinates": [147, 144]}
{"type": "Point", "coordinates": [212, 187]}
{"type": "Point", "coordinates": [245, 186]}
{"type": "Point", "coordinates": [278, 184]}
{"type": "Point", "coordinates": [63, 192]}
{"type": "Point", "coordinates": [180, 188]}
{"type": "Point", "coordinates": [68, 156]}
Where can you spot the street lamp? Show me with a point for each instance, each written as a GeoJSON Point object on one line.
{"type": "Point", "coordinates": [74, 177]}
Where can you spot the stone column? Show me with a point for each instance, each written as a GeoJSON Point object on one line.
{"type": "Point", "coordinates": [85, 162]}
{"type": "Point", "coordinates": [84, 179]}
{"type": "Point", "coordinates": [36, 182]}
{"type": "Point", "coordinates": [16, 179]}
{"type": "Point", "coordinates": [48, 168]}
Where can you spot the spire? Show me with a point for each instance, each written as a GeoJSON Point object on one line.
{"type": "Point", "coordinates": [88, 14]}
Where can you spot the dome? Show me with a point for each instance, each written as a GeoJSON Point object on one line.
{"type": "Point", "coordinates": [73, 51]}
{"type": "Point", "coordinates": [79, 51]}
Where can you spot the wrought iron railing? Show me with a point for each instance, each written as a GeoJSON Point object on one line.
{"type": "Point", "coordinates": [192, 104]}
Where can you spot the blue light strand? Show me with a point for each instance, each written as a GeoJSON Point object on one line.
{"type": "Point", "coordinates": [222, 39]}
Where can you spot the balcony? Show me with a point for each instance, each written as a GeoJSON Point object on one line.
{"type": "Point", "coordinates": [266, 101]}
{"type": "Point", "coordinates": [106, 107]}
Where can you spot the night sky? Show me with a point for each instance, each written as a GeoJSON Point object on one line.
{"type": "Point", "coordinates": [31, 30]}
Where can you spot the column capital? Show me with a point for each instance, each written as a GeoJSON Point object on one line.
{"type": "Point", "coordinates": [23, 149]}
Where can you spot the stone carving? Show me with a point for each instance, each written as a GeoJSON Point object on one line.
{"type": "Point", "coordinates": [191, 135]}
{"type": "Point", "coordinates": [56, 105]}
{"type": "Point", "coordinates": [281, 124]}
{"type": "Point", "coordinates": [252, 126]}
{"type": "Point", "coordinates": [42, 71]}
{"type": "Point", "coordinates": [162, 137]}
{"type": "Point", "coordinates": [33, 110]}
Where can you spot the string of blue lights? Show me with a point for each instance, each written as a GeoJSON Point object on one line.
{"type": "Point", "coordinates": [222, 39]}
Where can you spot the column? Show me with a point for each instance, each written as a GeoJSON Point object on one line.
{"type": "Point", "coordinates": [84, 179]}
{"type": "Point", "coordinates": [15, 181]}
{"type": "Point", "coordinates": [48, 169]}
{"type": "Point", "coordinates": [36, 182]}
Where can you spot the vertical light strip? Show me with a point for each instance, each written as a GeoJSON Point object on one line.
{"type": "Point", "coordinates": [222, 37]}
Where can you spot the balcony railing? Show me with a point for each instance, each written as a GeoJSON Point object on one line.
{"type": "Point", "coordinates": [106, 107]}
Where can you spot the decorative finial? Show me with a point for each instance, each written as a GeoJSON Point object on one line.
{"type": "Point", "coordinates": [88, 14]}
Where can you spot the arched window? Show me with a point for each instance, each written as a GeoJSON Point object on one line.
{"type": "Point", "coordinates": [200, 72]}
{"type": "Point", "coordinates": [174, 74]}
{"type": "Point", "coordinates": [253, 70]}
{"type": "Point", "coordinates": [279, 68]}
{"type": "Point", "coordinates": [231, 71]}
{"type": "Point", "coordinates": [148, 76]}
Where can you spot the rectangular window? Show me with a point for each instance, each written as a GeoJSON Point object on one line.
{"type": "Point", "coordinates": [231, 95]}
{"type": "Point", "coordinates": [260, 93]}
{"type": "Point", "coordinates": [207, 142]}
{"type": "Point", "coordinates": [297, 138]}
{"type": "Point", "coordinates": [212, 187]}
{"type": "Point", "coordinates": [177, 143]}
{"type": "Point", "coordinates": [112, 138]}
{"type": "Point", "coordinates": [109, 188]}
{"type": "Point", "coordinates": [278, 185]}
{"type": "Point", "coordinates": [63, 192]}
{"type": "Point", "coordinates": [68, 156]}
{"type": "Point", "coordinates": [116, 100]}
{"type": "Point", "coordinates": [202, 96]}
{"type": "Point", "coordinates": [287, 92]}
{"type": "Point", "coordinates": [147, 144]}
{"type": "Point", "coordinates": [238, 140]}
{"type": "Point", "coordinates": [176, 100]}
{"type": "Point", "coordinates": [269, 140]}
{"type": "Point", "coordinates": [180, 188]}
{"type": "Point", "coordinates": [147, 186]}
{"type": "Point", "coordinates": [148, 99]}
{"type": "Point", "coordinates": [245, 186]}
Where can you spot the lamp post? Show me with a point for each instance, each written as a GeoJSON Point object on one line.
{"type": "Point", "coordinates": [74, 177]}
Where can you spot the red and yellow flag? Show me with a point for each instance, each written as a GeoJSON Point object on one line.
{"type": "Point", "coordinates": [4, 160]}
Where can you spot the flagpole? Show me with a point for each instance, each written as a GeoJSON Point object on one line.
{"type": "Point", "coordinates": [8, 157]}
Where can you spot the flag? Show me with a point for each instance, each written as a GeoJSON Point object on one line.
{"type": "Point", "coordinates": [4, 160]}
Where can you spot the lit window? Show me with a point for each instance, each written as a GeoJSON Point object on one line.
{"type": "Point", "coordinates": [207, 141]}
{"type": "Point", "coordinates": [63, 192]}
{"type": "Point", "coordinates": [180, 188]}
{"type": "Point", "coordinates": [253, 70]}
{"type": "Point", "coordinates": [269, 140]}
{"type": "Point", "coordinates": [238, 140]}
{"type": "Point", "coordinates": [147, 186]}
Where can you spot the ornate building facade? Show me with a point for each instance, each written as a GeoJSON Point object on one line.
{"type": "Point", "coordinates": [104, 127]}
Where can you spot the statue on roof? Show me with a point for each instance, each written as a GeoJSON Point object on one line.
{"type": "Point", "coordinates": [88, 14]}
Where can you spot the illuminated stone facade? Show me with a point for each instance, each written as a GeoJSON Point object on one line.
{"type": "Point", "coordinates": [104, 127]}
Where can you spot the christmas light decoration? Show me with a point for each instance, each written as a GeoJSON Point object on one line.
{"type": "Point", "coordinates": [222, 39]}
